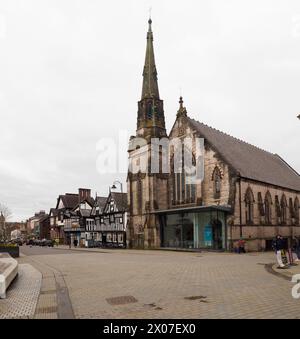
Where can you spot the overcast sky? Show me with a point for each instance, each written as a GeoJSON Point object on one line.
{"type": "Point", "coordinates": [71, 73]}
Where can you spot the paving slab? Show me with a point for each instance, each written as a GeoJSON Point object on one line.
{"type": "Point", "coordinates": [22, 295]}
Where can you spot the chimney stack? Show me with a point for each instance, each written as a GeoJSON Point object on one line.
{"type": "Point", "coordinates": [84, 193]}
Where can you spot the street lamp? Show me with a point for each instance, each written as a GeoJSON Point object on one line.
{"type": "Point", "coordinates": [122, 207]}
{"type": "Point", "coordinates": [114, 185]}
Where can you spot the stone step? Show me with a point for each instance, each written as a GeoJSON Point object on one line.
{"type": "Point", "coordinates": [8, 272]}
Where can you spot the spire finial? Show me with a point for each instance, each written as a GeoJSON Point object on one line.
{"type": "Point", "coordinates": [181, 102]}
{"type": "Point", "coordinates": [182, 110]}
{"type": "Point", "coordinates": [150, 19]}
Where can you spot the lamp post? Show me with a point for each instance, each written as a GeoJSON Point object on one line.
{"type": "Point", "coordinates": [114, 187]}
{"type": "Point", "coordinates": [117, 182]}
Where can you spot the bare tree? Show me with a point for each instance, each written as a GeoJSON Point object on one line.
{"type": "Point", "coordinates": [6, 212]}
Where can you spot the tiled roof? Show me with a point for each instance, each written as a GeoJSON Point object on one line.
{"type": "Point", "coordinates": [249, 161]}
{"type": "Point", "coordinates": [54, 212]}
{"type": "Point", "coordinates": [120, 200]}
{"type": "Point", "coordinates": [100, 201]}
{"type": "Point", "coordinates": [69, 200]}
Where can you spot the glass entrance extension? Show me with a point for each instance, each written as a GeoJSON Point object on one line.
{"type": "Point", "coordinates": [194, 228]}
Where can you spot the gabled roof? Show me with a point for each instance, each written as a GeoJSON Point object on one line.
{"type": "Point", "coordinates": [69, 200]}
{"type": "Point", "coordinates": [54, 212]}
{"type": "Point", "coordinates": [43, 218]}
{"type": "Point", "coordinates": [249, 161]}
{"type": "Point", "coordinates": [120, 200]}
{"type": "Point", "coordinates": [90, 201]}
{"type": "Point", "coordinates": [100, 202]}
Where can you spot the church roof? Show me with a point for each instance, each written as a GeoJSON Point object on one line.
{"type": "Point", "coordinates": [249, 161]}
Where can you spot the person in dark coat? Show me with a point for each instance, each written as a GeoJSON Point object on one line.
{"type": "Point", "coordinates": [296, 247]}
{"type": "Point", "coordinates": [278, 246]}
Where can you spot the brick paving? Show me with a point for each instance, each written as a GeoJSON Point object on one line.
{"type": "Point", "coordinates": [161, 284]}
{"type": "Point", "coordinates": [53, 296]}
{"type": "Point", "coordinates": [22, 295]}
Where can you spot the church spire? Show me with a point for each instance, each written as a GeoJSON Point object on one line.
{"type": "Point", "coordinates": [151, 118]}
{"type": "Point", "coordinates": [150, 85]}
{"type": "Point", "coordinates": [182, 110]}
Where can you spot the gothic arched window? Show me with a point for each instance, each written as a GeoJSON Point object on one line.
{"type": "Point", "coordinates": [268, 208]}
{"type": "Point", "coordinates": [296, 208]}
{"type": "Point", "coordinates": [283, 205]}
{"type": "Point", "coordinates": [184, 187]}
{"type": "Point", "coordinates": [291, 210]}
{"type": "Point", "coordinates": [278, 209]}
{"type": "Point", "coordinates": [249, 202]}
{"type": "Point", "coordinates": [217, 177]}
{"type": "Point", "coordinates": [139, 194]}
{"type": "Point", "coordinates": [260, 204]}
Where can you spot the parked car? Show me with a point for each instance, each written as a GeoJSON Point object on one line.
{"type": "Point", "coordinates": [45, 242]}
{"type": "Point", "coordinates": [37, 242]}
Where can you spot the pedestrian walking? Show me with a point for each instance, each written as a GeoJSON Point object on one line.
{"type": "Point", "coordinates": [296, 247]}
{"type": "Point", "coordinates": [278, 246]}
{"type": "Point", "coordinates": [241, 246]}
{"type": "Point", "coordinates": [75, 243]}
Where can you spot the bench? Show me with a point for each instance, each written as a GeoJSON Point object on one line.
{"type": "Point", "coordinates": [8, 272]}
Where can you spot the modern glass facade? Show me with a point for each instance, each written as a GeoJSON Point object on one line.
{"type": "Point", "coordinates": [199, 229]}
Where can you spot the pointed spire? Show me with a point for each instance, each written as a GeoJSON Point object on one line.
{"type": "Point", "coordinates": [151, 118]}
{"type": "Point", "coordinates": [150, 85]}
{"type": "Point", "coordinates": [182, 110]}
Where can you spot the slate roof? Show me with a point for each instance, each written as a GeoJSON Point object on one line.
{"type": "Point", "coordinates": [120, 200]}
{"type": "Point", "coordinates": [100, 201]}
{"type": "Point", "coordinates": [249, 161]}
{"type": "Point", "coordinates": [69, 200]}
{"type": "Point", "coordinates": [54, 212]}
{"type": "Point", "coordinates": [90, 201]}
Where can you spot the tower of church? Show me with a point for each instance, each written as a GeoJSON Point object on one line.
{"type": "Point", "coordinates": [147, 190]}
{"type": "Point", "coordinates": [151, 120]}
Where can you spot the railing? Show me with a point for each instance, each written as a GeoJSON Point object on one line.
{"type": "Point", "coordinates": [74, 229]}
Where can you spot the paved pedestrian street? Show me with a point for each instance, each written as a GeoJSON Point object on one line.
{"type": "Point", "coordinates": [159, 284]}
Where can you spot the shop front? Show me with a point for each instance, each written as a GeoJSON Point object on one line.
{"type": "Point", "coordinates": [194, 228]}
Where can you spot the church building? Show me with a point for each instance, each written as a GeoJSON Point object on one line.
{"type": "Point", "coordinates": [245, 192]}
